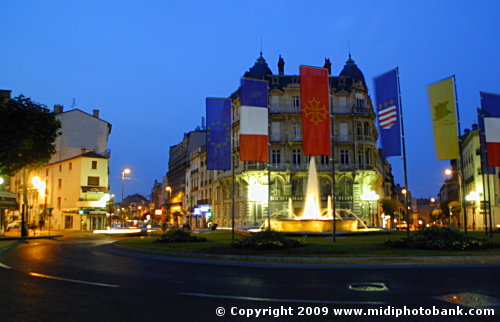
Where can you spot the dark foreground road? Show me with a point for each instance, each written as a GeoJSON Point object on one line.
{"type": "Point", "coordinates": [86, 279]}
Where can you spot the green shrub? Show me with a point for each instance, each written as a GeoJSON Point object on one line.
{"type": "Point", "coordinates": [439, 238]}
{"type": "Point", "coordinates": [267, 239]}
{"type": "Point", "coordinates": [178, 235]}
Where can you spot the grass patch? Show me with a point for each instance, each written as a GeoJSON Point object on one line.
{"type": "Point", "coordinates": [219, 242]}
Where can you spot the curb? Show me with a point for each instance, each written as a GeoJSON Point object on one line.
{"type": "Point", "coordinates": [321, 260]}
{"type": "Point", "coordinates": [32, 237]}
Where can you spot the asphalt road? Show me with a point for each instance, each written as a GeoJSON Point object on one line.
{"type": "Point", "coordinates": [83, 278]}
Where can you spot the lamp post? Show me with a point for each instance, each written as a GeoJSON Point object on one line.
{"type": "Point", "coordinates": [124, 172]}
{"type": "Point", "coordinates": [472, 197]}
{"type": "Point", "coordinates": [168, 189]}
{"type": "Point", "coordinates": [462, 193]}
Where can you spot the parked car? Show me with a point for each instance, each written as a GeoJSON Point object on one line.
{"type": "Point", "coordinates": [13, 225]}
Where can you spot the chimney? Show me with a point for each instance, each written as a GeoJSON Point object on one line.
{"type": "Point", "coordinates": [281, 66]}
{"type": "Point", "coordinates": [328, 65]}
{"type": "Point", "coordinates": [58, 108]}
{"type": "Point", "coordinates": [95, 113]}
{"type": "Point", "coordinates": [4, 95]}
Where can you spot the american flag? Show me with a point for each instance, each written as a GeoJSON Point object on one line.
{"type": "Point", "coordinates": [387, 117]}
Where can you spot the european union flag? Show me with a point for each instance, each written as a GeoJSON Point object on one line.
{"type": "Point", "coordinates": [387, 92]}
{"type": "Point", "coordinates": [218, 133]}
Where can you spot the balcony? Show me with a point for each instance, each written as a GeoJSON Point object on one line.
{"type": "Point", "coordinates": [285, 138]}
{"type": "Point", "coordinates": [284, 109]}
{"type": "Point", "coordinates": [94, 189]}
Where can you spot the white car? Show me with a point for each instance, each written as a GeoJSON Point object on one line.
{"type": "Point", "coordinates": [12, 225]}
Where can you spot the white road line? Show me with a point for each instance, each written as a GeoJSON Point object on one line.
{"type": "Point", "coordinates": [5, 266]}
{"type": "Point", "coordinates": [265, 299]}
{"type": "Point", "coordinates": [71, 280]}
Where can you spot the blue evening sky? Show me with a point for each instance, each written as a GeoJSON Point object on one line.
{"type": "Point", "coordinates": [149, 65]}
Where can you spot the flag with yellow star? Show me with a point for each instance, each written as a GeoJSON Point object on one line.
{"type": "Point", "coordinates": [315, 106]}
{"type": "Point", "coordinates": [388, 112]}
{"type": "Point", "coordinates": [444, 118]}
{"type": "Point", "coordinates": [218, 133]}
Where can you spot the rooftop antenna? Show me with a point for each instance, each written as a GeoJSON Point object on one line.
{"type": "Point", "coordinates": [349, 48]}
{"type": "Point", "coordinates": [261, 46]}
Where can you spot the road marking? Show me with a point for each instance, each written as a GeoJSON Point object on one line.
{"type": "Point", "coordinates": [5, 266]}
{"type": "Point", "coordinates": [71, 280]}
{"type": "Point", "coordinates": [266, 299]}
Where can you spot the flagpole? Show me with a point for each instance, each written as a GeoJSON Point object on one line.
{"type": "Point", "coordinates": [461, 163]}
{"type": "Point", "coordinates": [405, 172]}
{"type": "Point", "coordinates": [334, 224]}
{"type": "Point", "coordinates": [485, 169]}
{"type": "Point", "coordinates": [233, 162]}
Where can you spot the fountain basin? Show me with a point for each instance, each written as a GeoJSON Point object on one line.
{"type": "Point", "coordinates": [312, 225]}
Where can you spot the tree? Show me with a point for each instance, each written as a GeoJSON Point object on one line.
{"type": "Point", "coordinates": [391, 207]}
{"type": "Point", "coordinates": [27, 134]}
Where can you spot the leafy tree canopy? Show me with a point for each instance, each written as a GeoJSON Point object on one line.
{"type": "Point", "coordinates": [391, 206]}
{"type": "Point", "coordinates": [27, 134]}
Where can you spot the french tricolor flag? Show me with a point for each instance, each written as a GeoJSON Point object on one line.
{"type": "Point", "coordinates": [254, 124]}
{"type": "Point", "coordinates": [490, 104]}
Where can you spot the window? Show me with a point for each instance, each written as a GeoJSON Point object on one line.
{"type": "Point", "coordinates": [275, 131]}
{"type": "Point", "coordinates": [70, 166]}
{"type": "Point", "coordinates": [360, 103]}
{"type": "Point", "coordinates": [343, 132]}
{"type": "Point", "coordinates": [344, 157]}
{"type": "Point", "coordinates": [326, 187]}
{"type": "Point", "coordinates": [297, 189]}
{"type": "Point", "coordinates": [296, 157]}
{"type": "Point", "coordinates": [94, 165]}
{"type": "Point", "coordinates": [296, 131]}
{"type": "Point", "coordinates": [59, 183]}
{"type": "Point", "coordinates": [360, 157]}
{"type": "Point", "coordinates": [92, 181]}
{"type": "Point", "coordinates": [359, 129]}
{"type": "Point", "coordinates": [60, 167]}
{"type": "Point", "coordinates": [367, 129]}
{"type": "Point", "coordinates": [59, 202]}
{"type": "Point", "coordinates": [368, 156]}
{"type": "Point", "coordinates": [47, 172]}
{"type": "Point", "coordinates": [324, 159]}
{"type": "Point", "coordinates": [276, 157]}
{"type": "Point", "coordinates": [296, 103]}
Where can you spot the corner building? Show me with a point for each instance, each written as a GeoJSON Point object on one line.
{"type": "Point", "coordinates": [358, 162]}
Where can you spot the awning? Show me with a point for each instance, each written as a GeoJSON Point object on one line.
{"type": "Point", "coordinates": [8, 200]}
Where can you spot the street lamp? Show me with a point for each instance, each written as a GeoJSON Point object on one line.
{"type": "Point", "coordinates": [472, 197]}
{"type": "Point", "coordinates": [124, 172]}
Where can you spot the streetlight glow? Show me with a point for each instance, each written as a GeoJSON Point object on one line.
{"type": "Point", "coordinates": [448, 172]}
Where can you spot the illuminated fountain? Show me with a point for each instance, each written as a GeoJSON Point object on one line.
{"type": "Point", "coordinates": [313, 218]}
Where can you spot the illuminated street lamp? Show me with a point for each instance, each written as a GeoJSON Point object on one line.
{"type": "Point", "coordinates": [448, 172]}
{"type": "Point", "coordinates": [124, 172]}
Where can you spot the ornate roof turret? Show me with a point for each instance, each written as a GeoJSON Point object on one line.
{"type": "Point", "coordinates": [352, 71]}
{"type": "Point", "coordinates": [260, 69]}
